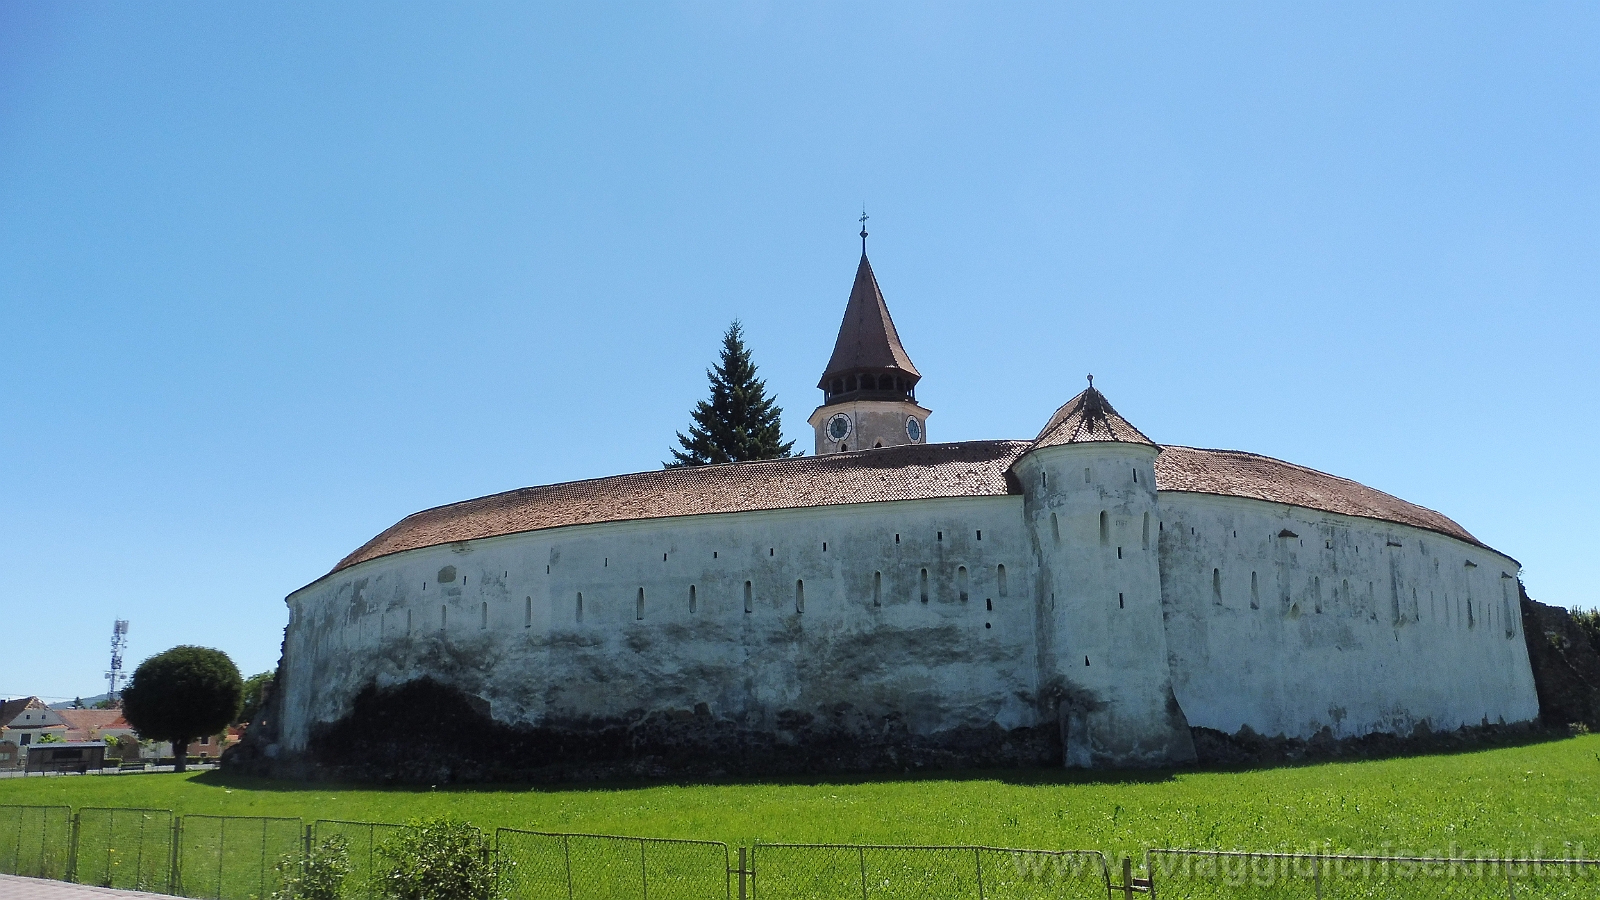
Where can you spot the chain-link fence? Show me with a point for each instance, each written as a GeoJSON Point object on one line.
{"type": "Point", "coordinates": [123, 848]}
{"type": "Point", "coordinates": [1202, 875]}
{"type": "Point", "coordinates": [236, 857]}
{"type": "Point", "coordinates": [870, 872]}
{"type": "Point", "coordinates": [536, 865]}
{"type": "Point", "coordinates": [362, 840]}
{"type": "Point", "coordinates": [35, 841]}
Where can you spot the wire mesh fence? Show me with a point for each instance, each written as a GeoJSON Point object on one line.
{"type": "Point", "coordinates": [363, 842]}
{"type": "Point", "coordinates": [35, 841]}
{"type": "Point", "coordinates": [123, 848]}
{"type": "Point", "coordinates": [236, 857]}
{"type": "Point", "coordinates": [1202, 875]}
{"type": "Point", "coordinates": [870, 872]}
{"type": "Point", "coordinates": [536, 865]}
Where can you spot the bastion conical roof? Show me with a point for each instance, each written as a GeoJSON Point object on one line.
{"type": "Point", "coordinates": [1087, 418]}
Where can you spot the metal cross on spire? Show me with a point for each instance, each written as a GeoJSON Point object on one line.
{"type": "Point", "coordinates": [1091, 382]}
{"type": "Point", "coordinates": [863, 221]}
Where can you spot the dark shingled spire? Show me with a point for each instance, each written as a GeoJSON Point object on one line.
{"type": "Point", "coordinates": [1086, 418]}
{"type": "Point", "coordinates": [867, 339]}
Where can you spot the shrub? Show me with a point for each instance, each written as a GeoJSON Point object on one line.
{"type": "Point", "coordinates": [439, 859]}
{"type": "Point", "coordinates": [1588, 622]}
{"type": "Point", "coordinates": [322, 876]}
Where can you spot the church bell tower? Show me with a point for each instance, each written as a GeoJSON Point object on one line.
{"type": "Point", "coordinates": [869, 397]}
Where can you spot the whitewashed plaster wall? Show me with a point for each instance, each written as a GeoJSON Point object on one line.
{"type": "Point", "coordinates": [499, 618]}
{"type": "Point", "coordinates": [1288, 620]}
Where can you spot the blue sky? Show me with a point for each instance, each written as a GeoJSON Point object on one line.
{"type": "Point", "coordinates": [273, 277]}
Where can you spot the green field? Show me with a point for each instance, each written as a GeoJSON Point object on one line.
{"type": "Point", "coordinates": [1522, 800]}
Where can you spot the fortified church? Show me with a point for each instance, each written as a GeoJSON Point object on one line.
{"type": "Point", "coordinates": [1085, 597]}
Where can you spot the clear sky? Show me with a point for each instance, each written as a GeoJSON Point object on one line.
{"type": "Point", "coordinates": [273, 276]}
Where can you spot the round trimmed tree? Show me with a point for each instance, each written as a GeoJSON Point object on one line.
{"type": "Point", "coordinates": [182, 695]}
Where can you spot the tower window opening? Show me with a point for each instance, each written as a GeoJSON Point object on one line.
{"type": "Point", "coordinates": [877, 588]}
{"type": "Point", "coordinates": [1086, 661]}
{"type": "Point", "coordinates": [1216, 586]}
{"type": "Point", "coordinates": [1120, 603]}
{"type": "Point", "coordinates": [1105, 528]}
{"type": "Point", "coordinates": [1119, 553]}
{"type": "Point", "coordinates": [663, 557]}
{"type": "Point", "coordinates": [1000, 578]}
{"type": "Point", "coordinates": [527, 613]}
{"type": "Point", "coordinates": [749, 598]}
{"type": "Point", "coordinates": [1044, 480]}
{"type": "Point", "coordinates": [579, 607]}
{"type": "Point", "coordinates": [897, 539]}
{"type": "Point", "coordinates": [484, 615]}
{"type": "Point", "coordinates": [924, 585]}
{"type": "Point", "coordinates": [961, 583]}
{"type": "Point", "coordinates": [989, 604]}
{"type": "Point", "coordinates": [1055, 528]}
{"type": "Point", "coordinates": [408, 623]}
{"type": "Point", "coordinates": [692, 598]}
{"type": "Point", "coordinates": [1136, 475]}
{"type": "Point", "coordinates": [1255, 593]}
{"type": "Point", "coordinates": [799, 596]}
{"type": "Point", "coordinates": [824, 546]}
{"type": "Point", "coordinates": [940, 536]}
{"type": "Point", "coordinates": [980, 534]}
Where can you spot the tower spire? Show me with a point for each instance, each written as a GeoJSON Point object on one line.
{"type": "Point", "coordinates": [863, 221]}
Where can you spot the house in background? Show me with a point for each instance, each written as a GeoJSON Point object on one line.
{"type": "Point", "coordinates": [27, 719]}
{"type": "Point", "coordinates": [11, 756]}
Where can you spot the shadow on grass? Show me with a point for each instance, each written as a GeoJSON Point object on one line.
{"type": "Point", "coordinates": [1356, 751]}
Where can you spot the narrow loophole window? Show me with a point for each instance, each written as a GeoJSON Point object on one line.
{"type": "Point", "coordinates": [484, 615]}
{"type": "Point", "coordinates": [924, 585]}
{"type": "Point", "coordinates": [580, 607]}
{"type": "Point", "coordinates": [1120, 603]}
{"type": "Point", "coordinates": [692, 598]}
{"type": "Point", "coordinates": [749, 598]}
{"type": "Point", "coordinates": [989, 604]}
{"type": "Point", "coordinates": [1255, 592]}
{"type": "Point", "coordinates": [980, 534]}
{"type": "Point", "coordinates": [897, 539]}
{"type": "Point", "coordinates": [444, 617]}
{"type": "Point", "coordinates": [408, 621]}
{"type": "Point", "coordinates": [1044, 480]}
{"type": "Point", "coordinates": [961, 583]}
{"type": "Point", "coordinates": [1105, 528]}
{"type": "Point", "coordinates": [799, 595]}
{"type": "Point", "coordinates": [638, 605]}
{"type": "Point", "coordinates": [1000, 578]}
{"type": "Point", "coordinates": [527, 613]}
{"type": "Point", "coordinates": [1119, 553]}
{"type": "Point", "coordinates": [877, 588]}
{"type": "Point", "coordinates": [1216, 586]}
{"type": "Point", "coordinates": [1055, 528]}
{"type": "Point", "coordinates": [1136, 475]}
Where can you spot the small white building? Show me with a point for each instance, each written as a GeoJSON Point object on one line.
{"type": "Point", "coordinates": [1084, 597]}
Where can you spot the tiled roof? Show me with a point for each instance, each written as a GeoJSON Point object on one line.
{"type": "Point", "coordinates": [867, 339]}
{"type": "Point", "coordinates": [1235, 473]}
{"type": "Point", "coordinates": [91, 722]}
{"type": "Point", "coordinates": [10, 709]}
{"type": "Point", "coordinates": [913, 472]}
{"type": "Point", "coordinates": [1086, 418]}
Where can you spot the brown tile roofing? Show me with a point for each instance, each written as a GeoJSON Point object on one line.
{"type": "Point", "coordinates": [914, 472]}
{"type": "Point", "coordinates": [867, 338]}
{"type": "Point", "coordinates": [1234, 473]}
{"type": "Point", "coordinates": [1087, 418]}
{"type": "Point", "coordinates": [10, 709]}
{"type": "Point", "coordinates": [917, 472]}
{"type": "Point", "coordinates": [92, 721]}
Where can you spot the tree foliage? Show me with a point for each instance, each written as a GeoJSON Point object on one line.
{"type": "Point", "coordinates": [439, 859]}
{"type": "Point", "coordinates": [183, 694]}
{"type": "Point", "coordinates": [739, 422]}
{"type": "Point", "coordinates": [254, 686]}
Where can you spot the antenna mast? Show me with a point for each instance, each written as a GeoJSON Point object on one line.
{"type": "Point", "coordinates": [114, 676]}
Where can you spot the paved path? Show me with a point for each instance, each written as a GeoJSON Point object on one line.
{"type": "Point", "coordinates": [13, 887]}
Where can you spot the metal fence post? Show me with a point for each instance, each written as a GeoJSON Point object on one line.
{"type": "Point", "coordinates": [72, 851]}
{"type": "Point", "coordinates": [977, 858]}
{"type": "Point", "coordinates": [742, 888]}
{"type": "Point", "coordinates": [1127, 877]}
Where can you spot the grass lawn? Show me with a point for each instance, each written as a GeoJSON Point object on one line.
{"type": "Point", "coordinates": [1522, 800]}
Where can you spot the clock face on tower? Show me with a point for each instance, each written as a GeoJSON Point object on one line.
{"type": "Point", "coordinates": [839, 427]}
{"type": "Point", "coordinates": [913, 429]}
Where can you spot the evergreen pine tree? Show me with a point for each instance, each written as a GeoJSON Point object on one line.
{"type": "Point", "coordinates": [740, 422]}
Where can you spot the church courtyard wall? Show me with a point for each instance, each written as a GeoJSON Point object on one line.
{"type": "Point", "coordinates": [892, 621]}
{"type": "Point", "coordinates": [1289, 620]}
